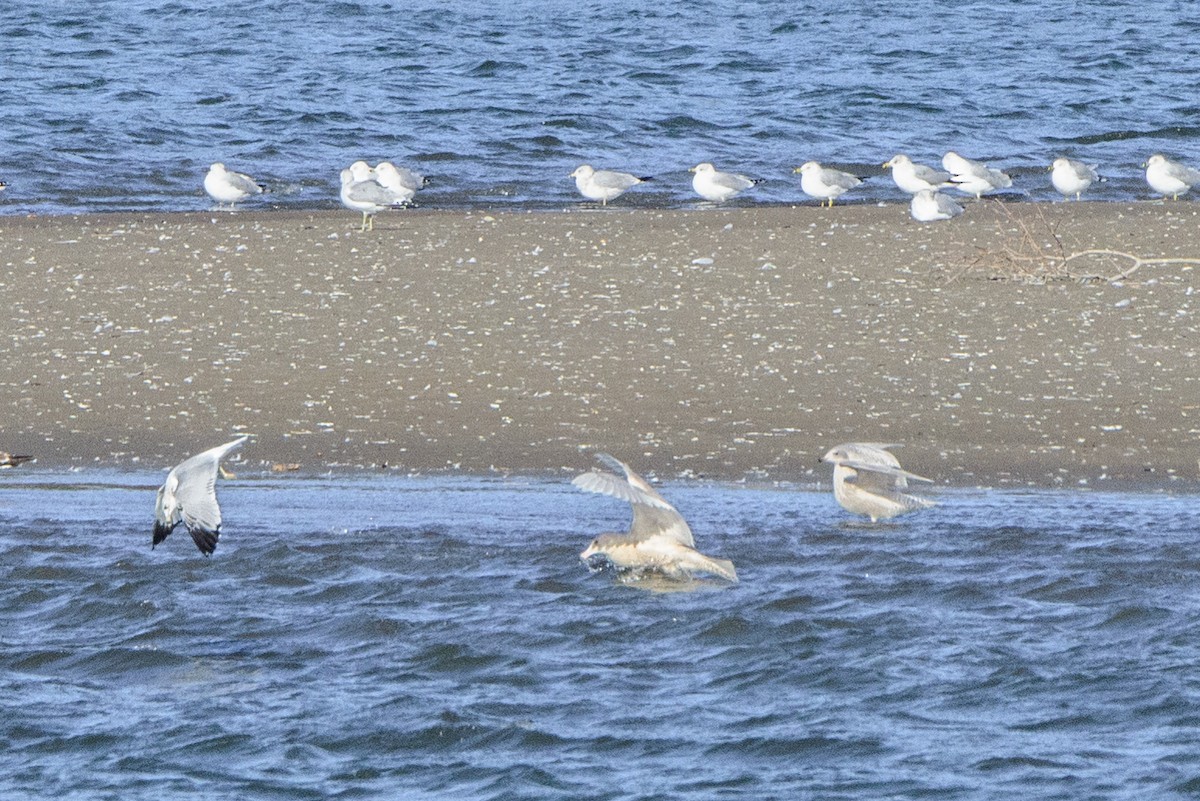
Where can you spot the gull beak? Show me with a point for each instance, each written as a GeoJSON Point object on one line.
{"type": "Point", "coordinates": [693, 169]}
{"type": "Point", "coordinates": [797, 169]}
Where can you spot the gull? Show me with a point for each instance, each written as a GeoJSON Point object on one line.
{"type": "Point", "coordinates": [823, 182]}
{"type": "Point", "coordinates": [867, 480]}
{"type": "Point", "coordinates": [603, 185]}
{"type": "Point", "coordinates": [12, 460]}
{"type": "Point", "coordinates": [658, 541]}
{"type": "Point", "coordinates": [1170, 177]}
{"type": "Point", "coordinates": [974, 177]}
{"type": "Point", "coordinates": [368, 197]}
{"type": "Point", "coordinates": [3, 186]}
{"type": "Point", "coordinates": [929, 205]}
{"type": "Point", "coordinates": [1072, 177]}
{"type": "Point", "coordinates": [712, 184]}
{"type": "Point", "coordinates": [361, 171]}
{"type": "Point", "coordinates": [912, 177]}
{"type": "Point", "coordinates": [226, 186]}
{"type": "Point", "coordinates": [400, 181]}
{"type": "Point", "coordinates": [189, 496]}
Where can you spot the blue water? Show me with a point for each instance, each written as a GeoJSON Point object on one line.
{"type": "Point", "coordinates": [437, 638]}
{"type": "Point", "coordinates": [122, 105]}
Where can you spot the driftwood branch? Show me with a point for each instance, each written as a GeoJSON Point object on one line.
{"type": "Point", "coordinates": [1037, 253]}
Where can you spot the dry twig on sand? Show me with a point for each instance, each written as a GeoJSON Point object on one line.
{"type": "Point", "coordinates": [1037, 254]}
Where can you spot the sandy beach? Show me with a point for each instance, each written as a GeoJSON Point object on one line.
{"type": "Point", "coordinates": [732, 344]}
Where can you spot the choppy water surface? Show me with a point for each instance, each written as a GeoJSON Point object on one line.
{"type": "Point", "coordinates": [108, 106]}
{"type": "Point", "coordinates": [426, 638]}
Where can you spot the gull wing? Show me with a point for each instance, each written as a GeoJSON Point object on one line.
{"type": "Point", "coordinates": [730, 180]}
{"type": "Point", "coordinates": [652, 515]}
{"type": "Point", "coordinates": [875, 465]}
{"type": "Point", "coordinates": [373, 193]}
{"type": "Point", "coordinates": [196, 495]}
{"type": "Point", "coordinates": [838, 178]}
{"type": "Point", "coordinates": [611, 179]}
{"type": "Point", "coordinates": [243, 183]}
{"type": "Point", "coordinates": [929, 174]}
{"type": "Point", "coordinates": [1182, 172]}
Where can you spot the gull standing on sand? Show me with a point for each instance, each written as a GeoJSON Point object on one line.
{"type": "Point", "coordinates": [929, 205]}
{"type": "Point", "coordinates": [400, 181]}
{"type": "Point", "coordinates": [1071, 177]}
{"type": "Point", "coordinates": [189, 495]}
{"type": "Point", "coordinates": [912, 177]}
{"type": "Point", "coordinates": [658, 540]}
{"type": "Point", "coordinates": [974, 177]}
{"type": "Point", "coordinates": [603, 185]}
{"type": "Point", "coordinates": [367, 196]}
{"type": "Point", "coordinates": [823, 182]}
{"type": "Point", "coordinates": [1170, 177]}
{"type": "Point", "coordinates": [716, 186]}
{"type": "Point", "coordinates": [867, 480]}
{"type": "Point", "coordinates": [227, 186]}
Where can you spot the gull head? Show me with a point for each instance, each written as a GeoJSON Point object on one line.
{"type": "Point", "coordinates": [807, 167]}
{"type": "Point", "coordinates": [835, 455]}
{"type": "Point", "coordinates": [703, 168]}
{"type": "Point", "coordinates": [584, 171]}
{"type": "Point", "coordinates": [1156, 160]}
{"type": "Point", "coordinates": [362, 171]}
{"type": "Point", "coordinates": [597, 551]}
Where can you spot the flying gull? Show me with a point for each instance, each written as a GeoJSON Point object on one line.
{"type": "Point", "coordinates": [189, 496]}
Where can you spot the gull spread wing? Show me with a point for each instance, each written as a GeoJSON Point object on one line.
{"type": "Point", "coordinates": [874, 464]}
{"type": "Point", "coordinates": [190, 494]}
{"type": "Point", "coordinates": [652, 515]}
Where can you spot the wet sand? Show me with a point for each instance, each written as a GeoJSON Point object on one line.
{"type": "Point", "coordinates": [724, 343]}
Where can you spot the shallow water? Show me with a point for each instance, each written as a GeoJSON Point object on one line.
{"type": "Point", "coordinates": [122, 106]}
{"type": "Point", "coordinates": [433, 638]}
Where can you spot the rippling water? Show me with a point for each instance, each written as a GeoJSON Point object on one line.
{"type": "Point", "coordinates": [436, 638]}
{"type": "Point", "coordinates": [108, 106]}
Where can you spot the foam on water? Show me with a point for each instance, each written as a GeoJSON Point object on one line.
{"type": "Point", "coordinates": [438, 638]}
{"type": "Point", "coordinates": [124, 106]}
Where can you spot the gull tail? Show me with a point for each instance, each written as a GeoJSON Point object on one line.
{"type": "Point", "coordinates": [700, 563]}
